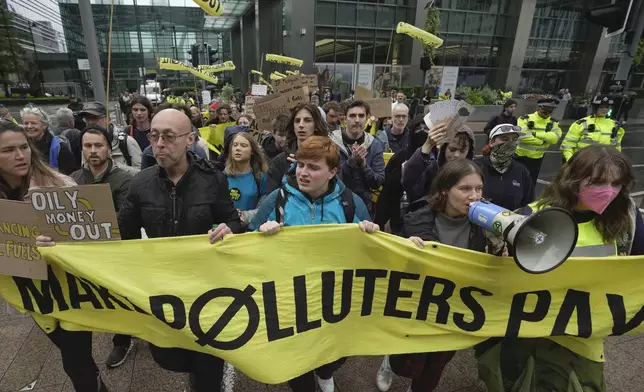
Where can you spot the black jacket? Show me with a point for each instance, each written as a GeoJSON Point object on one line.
{"type": "Point", "coordinates": [421, 223]}
{"type": "Point", "coordinates": [197, 202]}
{"type": "Point", "coordinates": [276, 170]}
{"type": "Point", "coordinates": [73, 135]}
{"type": "Point", "coordinates": [511, 190]}
{"type": "Point", "coordinates": [270, 147]}
{"type": "Point", "coordinates": [66, 161]}
{"type": "Point", "coordinates": [500, 119]}
{"type": "Point", "coordinates": [118, 179]}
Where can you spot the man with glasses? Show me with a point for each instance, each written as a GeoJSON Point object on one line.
{"type": "Point", "coordinates": [396, 137]}
{"type": "Point", "coordinates": [538, 131]}
{"type": "Point", "coordinates": [362, 164]}
{"type": "Point", "coordinates": [180, 196]}
{"type": "Point", "coordinates": [126, 152]}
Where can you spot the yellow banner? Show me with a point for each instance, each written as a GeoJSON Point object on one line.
{"type": "Point", "coordinates": [174, 65]}
{"type": "Point", "coordinates": [276, 307]}
{"type": "Point", "coordinates": [214, 136]}
{"type": "Point", "coordinates": [227, 66]}
{"type": "Point", "coordinates": [211, 7]}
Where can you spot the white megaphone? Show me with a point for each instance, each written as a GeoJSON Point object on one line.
{"type": "Point", "coordinates": [541, 241]}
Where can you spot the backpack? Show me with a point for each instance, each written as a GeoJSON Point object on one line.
{"type": "Point", "coordinates": [346, 199]}
{"type": "Point", "coordinates": [122, 138]}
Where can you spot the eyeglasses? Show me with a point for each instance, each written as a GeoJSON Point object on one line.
{"type": "Point", "coordinates": [170, 138]}
{"type": "Point", "coordinates": [400, 116]}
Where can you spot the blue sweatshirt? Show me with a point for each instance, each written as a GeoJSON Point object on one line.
{"type": "Point", "coordinates": [245, 191]}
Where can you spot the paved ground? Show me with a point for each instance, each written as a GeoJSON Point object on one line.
{"type": "Point", "coordinates": [26, 355]}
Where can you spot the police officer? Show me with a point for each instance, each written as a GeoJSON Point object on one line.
{"type": "Point", "coordinates": [538, 132]}
{"type": "Point", "coordinates": [595, 129]}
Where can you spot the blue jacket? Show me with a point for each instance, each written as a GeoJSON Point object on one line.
{"type": "Point", "coordinates": [362, 180]}
{"type": "Point", "coordinates": [300, 211]}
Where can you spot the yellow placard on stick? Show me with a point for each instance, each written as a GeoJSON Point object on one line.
{"type": "Point", "coordinates": [214, 135]}
{"type": "Point", "coordinates": [211, 7]}
{"type": "Point", "coordinates": [227, 66]}
{"type": "Point", "coordinates": [276, 58]}
{"type": "Point", "coordinates": [264, 303]}
{"type": "Point", "coordinates": [174, 65]}
{"type": "Point", "coordinates": [423, 36]}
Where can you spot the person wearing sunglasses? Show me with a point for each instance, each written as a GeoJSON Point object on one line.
{"type": "Point", "coordinates": [182, 195]}
{"type": "Point", "coordinates": [507, 182]}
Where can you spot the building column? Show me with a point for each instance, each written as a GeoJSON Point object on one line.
{"type": "Point", "coordinates": [89, 31]}
{"type": "Point", "coordinates": [417, 51]}
{"type": "Point", "coordinates": [300, 27]}
{"type": "Point", "coordinates": [258, 52]}
{"type": "Point", "coordinates": [244, 74]}
{"type": "Point", "coordinates": [513, 63]}
{"type": "Point", "coordinates": [592, 63]}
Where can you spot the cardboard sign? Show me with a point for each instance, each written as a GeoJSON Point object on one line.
{"type": "Point", "coordinates": [311, 81]}
{"type": "Point", "coordinates": [293, 82]}
{"type": "Point", "coordinates": [80, 213]}
{"type": "Point", "coordinates": [18, 231]}
{"type": "Point", "coordinates": [380, 107]}
{"type": "Point", "coordinates": [296, 96]}
{"type": "Point", "coordinates": [249, 104]}
{"type": "Point", "coordinates": [259, 89]}
{"type": "Point", "coordinates": [268, 108]}
{"type": "Point", "coordinates": [362, 94]}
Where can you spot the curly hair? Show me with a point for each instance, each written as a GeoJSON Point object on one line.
{"type": "Point", "coordinates": [594, 164]}
{"type": "Point", "coordinates": [319, 124]}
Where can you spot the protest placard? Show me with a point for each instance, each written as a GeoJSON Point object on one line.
{"type": "Point", "coordinates": [80, 213]}
{"type": "Point", "coordinates": [311, 81]}
{"type": "Point", "coordinates": [362, 93]}
{"type": "Point", "coordinates": [380, 107]}
{"type": "Point", "coordinates": [259, 90]}
{"type": "Point", "coordinates": [296, 96]}
{"type": "Point", "coordinates": [249, 104]}
{"type": "Point", "coordinates": [18, 231]}
{"type": "Point", "coordinates": [268, 108]}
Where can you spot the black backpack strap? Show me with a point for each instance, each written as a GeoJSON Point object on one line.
{"type": "Point", "coordinates": [280, 202]}
{"type": "Point", "coordinates": [348, 205]}
{"type": "Point", "coordinates": [123, 147]}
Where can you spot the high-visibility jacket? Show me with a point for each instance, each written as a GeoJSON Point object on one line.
{"type": "Point", "coordinates": [590, 131]}
{"type": "Point", "coordinates": [172, 99]}
{"type": "Point", "coordinates": [537, 134]}
{"type": "Point", "coordinates": [205, 115]}
{"type": "Point", "coordinates": [590, 242]}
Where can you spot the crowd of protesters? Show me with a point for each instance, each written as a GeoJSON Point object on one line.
{"type": "Point", "coordinates": [322, 165]}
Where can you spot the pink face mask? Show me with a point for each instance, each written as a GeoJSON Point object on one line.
{"type": "Point", "coordinates": [598, 198]}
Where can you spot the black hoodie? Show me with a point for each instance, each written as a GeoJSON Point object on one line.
{"type": "Point", "coordinates": [388, 204]}
{"type": "Point", "coordinates": [421, 169]}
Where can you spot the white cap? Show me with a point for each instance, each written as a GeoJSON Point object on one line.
{"type": "Point", "coordinates": [502, 129]}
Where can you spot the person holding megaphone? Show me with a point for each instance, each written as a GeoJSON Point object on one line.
{"type": "Point", "coordinates": [443, 219]}
{"type": "Point", "coordinates": [594, 187]}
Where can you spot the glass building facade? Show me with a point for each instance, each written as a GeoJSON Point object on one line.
{"type": "Point", "coordinates": [142, 32]}
{"type": "Point", "coordinates": [359, 31]}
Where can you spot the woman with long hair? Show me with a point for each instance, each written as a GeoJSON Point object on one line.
{"type": "Point", "coordinates": [305, 122]}
{"type": "Point", "coordinates": [142, 112]}
{"type": "Point", "coordinates": [443, 219]}
{"type": "Point", "coordinates": [595, 186]}
{"type": "Point", "coordinates": [20, 165]}
{"type": "Point", "coordinates": [245, 170]}
{"type": "Point", "coordinates": [20, 170]}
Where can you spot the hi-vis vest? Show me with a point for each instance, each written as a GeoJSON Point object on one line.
{"type": "Point", "coordinates": [590, 242]}
{"type": "Point", "coordinates": [537, 134]}
{"type": "Point", "coordinates": [590, 131]}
